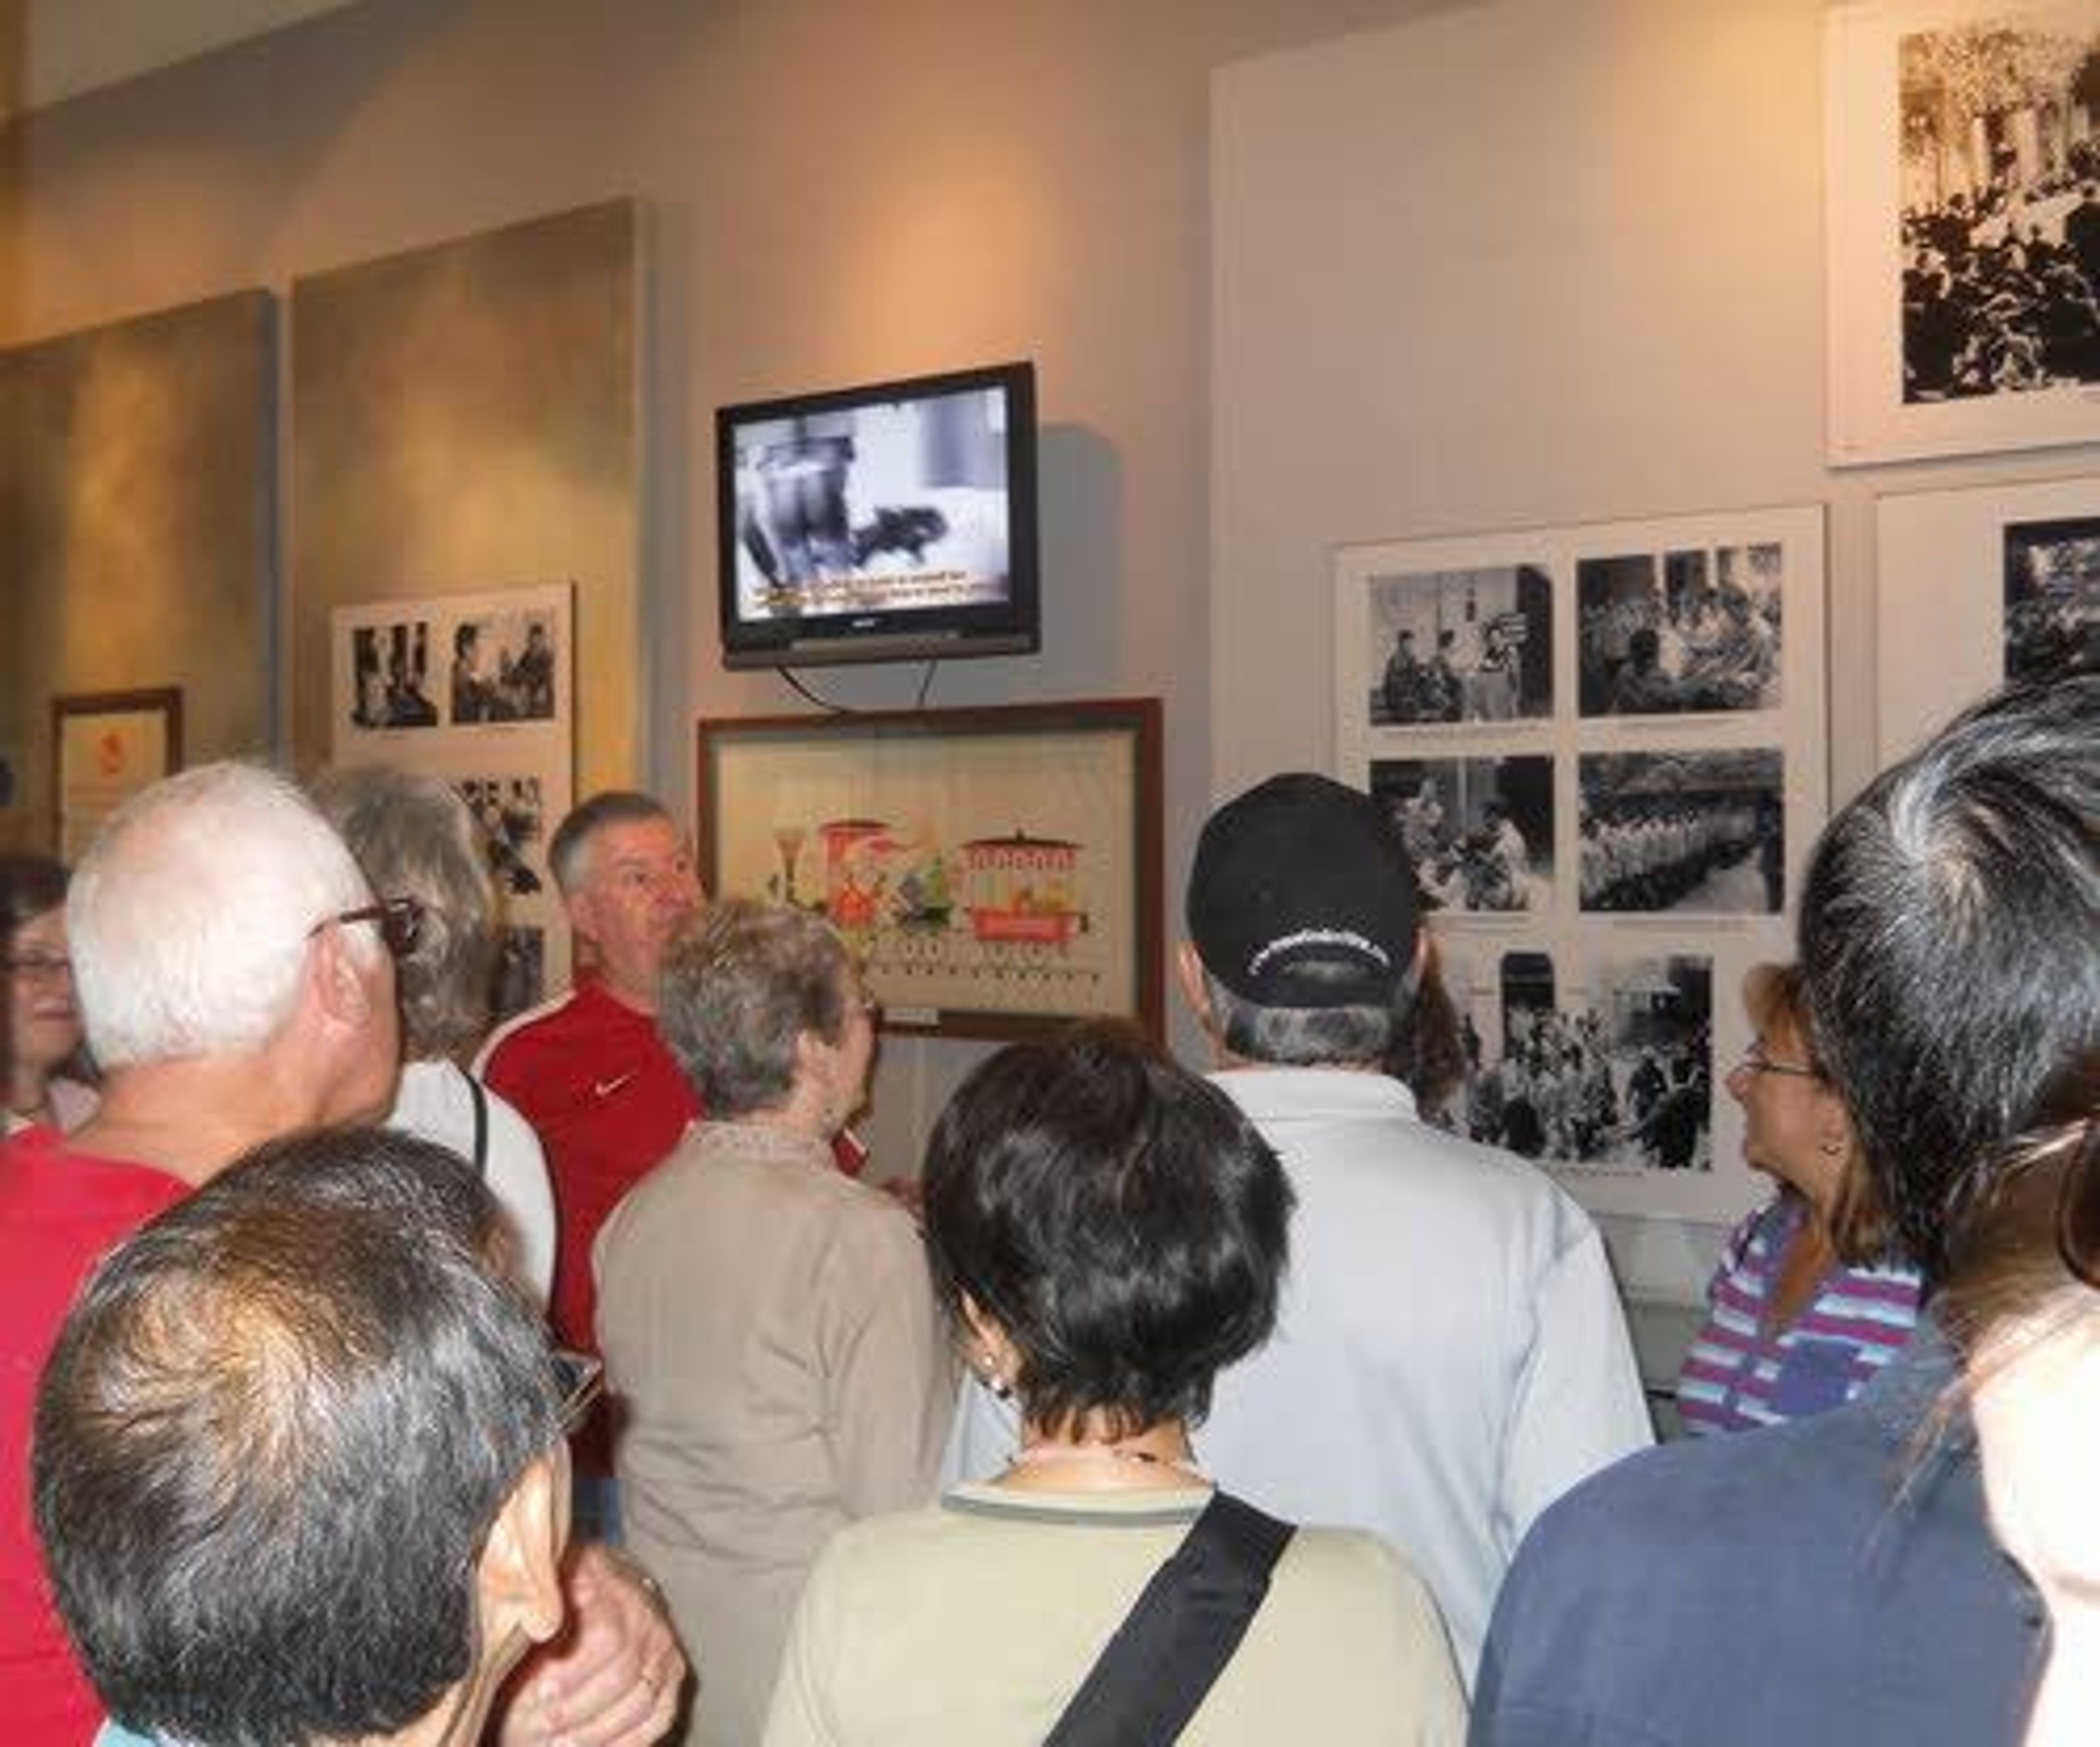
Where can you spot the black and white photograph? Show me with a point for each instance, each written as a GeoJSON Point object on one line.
{"type": "Point", "coordinates": [2001, 220]}
{"type": "Point", "coordinates": [1682, 833]}
{"type": "Point", "coordinates": [1467, 645]}
{"type": "Point", "coordinates": [521, 970]}
{"type": "Point", "coordinates": [511, 813]}
{"type": "Point", "coordinates": [1682, 632]}
{"type": "Point", "coordinates": [390, 675]}
{"type": "Point", "coordinates": [502, 668]}
{"type": "Point", "coordinates": [2052, 579]}
{"type": "Point", "coordinates": [1963, 216]}
{"type": "Point", "coordinates": [1479, 831]}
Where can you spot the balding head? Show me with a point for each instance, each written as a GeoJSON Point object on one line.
{"type": "Point", "coordinates": [189, 920]}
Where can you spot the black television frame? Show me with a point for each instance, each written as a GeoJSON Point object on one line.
{"type": "Point", "coordinates": [908, 633]}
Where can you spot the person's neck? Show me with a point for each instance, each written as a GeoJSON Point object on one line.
{"type": "Point", "coordinates": [636, 999]}
{"type": "Point", "coordinates": [29, 1091]}
{"type": "Point", "coordinates": [191, 1118]}
{"type": "Point", "coordinates": [1088, 1457]}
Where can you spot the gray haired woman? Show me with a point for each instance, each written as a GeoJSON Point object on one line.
{"type": "Point", "coordinates": [414, 839]}
{"type": "Point", "coordinates": [768, 1324]}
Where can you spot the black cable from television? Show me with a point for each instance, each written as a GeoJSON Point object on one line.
{"type": "Point", "coordinates": [821, 704]}
{"type": "Point", "coordinates": [925, 684]}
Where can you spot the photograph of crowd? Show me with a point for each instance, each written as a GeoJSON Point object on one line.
{"type": "Point", "coordinates": [1461, 645]}
{"type": "Point", "coordinates": [390, 675]}
{"type": "Point", "coordinates": [521, 970]}
{"type": "Point", "coordinates": [1682, 832]}
{"type": "Point", "coordinates": [2000, 204]}
{"type": "Point", "coordinates": [503, 668]}
{"type": "Point", "coordinates": [1681, 632]}
{"type": "Point", "coordinates": [2051, 598]}
{"type": "Point", "coordinates": [1617, 1074]}
{"type": "Point", "coordinates": [1479, 831]}
{"type": "Point", "coordinates": [509, 811]}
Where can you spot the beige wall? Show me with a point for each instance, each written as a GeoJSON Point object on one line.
{"type": "Point", "coordinates": [829, 193]}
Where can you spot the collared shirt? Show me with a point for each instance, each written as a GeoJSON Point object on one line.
{"type": "Point", "coordinates": [1833, 1579]}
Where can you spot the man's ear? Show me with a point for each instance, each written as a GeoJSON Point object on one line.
{"type": "Point", "coordinates": [519, 1575]}
{"type": "Point", "coordinates": [340, 987]}
{"type": "Point", "coordinates": [1189, 973]}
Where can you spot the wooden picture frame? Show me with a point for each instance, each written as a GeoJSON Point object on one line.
{"type": "Point", "coordinates": [997, 870]}
{"type": "Point", "coordinates": [106, 746]}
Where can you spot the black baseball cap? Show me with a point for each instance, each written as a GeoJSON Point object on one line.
{"type": "Point", "coordinates": [1301, 896]}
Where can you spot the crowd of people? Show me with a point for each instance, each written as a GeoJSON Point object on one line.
{"type": "Point", "coordinates": [1651, 853]}
{"type": "Point", "coordinates": [787, 1459]}
{"type": "Point", "coordinates": [1658, 652]}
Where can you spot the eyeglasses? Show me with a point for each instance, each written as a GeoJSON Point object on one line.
{"type": "Point", "coordinates": [400, 921]}
{"type": "Point", "coordinates": [34, 967]}
{"type": "Point", "coordinates": [2078, 1211]}
{"type": "Point", "coordinates": [579, 1381]}
{"type": "Point", "coordinates": [1757, 1061]}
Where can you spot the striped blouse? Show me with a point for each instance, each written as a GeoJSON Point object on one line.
{"type": "Point", "coordinates": [1737, 1375]}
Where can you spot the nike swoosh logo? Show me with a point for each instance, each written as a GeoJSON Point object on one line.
{"type": "Point", "coordinates": [605, 1088]}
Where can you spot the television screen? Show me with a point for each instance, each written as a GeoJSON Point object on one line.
{"type": "Point", "coordinates": [889, 522]}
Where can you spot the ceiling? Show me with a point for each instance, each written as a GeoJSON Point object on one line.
{"type": "Point", "coordinates": [51, 50]}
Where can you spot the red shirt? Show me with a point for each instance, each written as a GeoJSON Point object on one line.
{"type": "Point", "coordinates": [60, 1212]}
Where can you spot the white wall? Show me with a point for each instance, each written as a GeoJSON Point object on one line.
{"type": "Point", "coordinates": [1530, 263]}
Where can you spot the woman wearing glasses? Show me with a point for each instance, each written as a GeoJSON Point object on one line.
{"type": "Point", "coordinates": [43, 1037]}
{"type": "Point", "coordinates": [1811, 1299]}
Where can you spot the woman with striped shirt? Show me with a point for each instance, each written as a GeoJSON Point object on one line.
{"type": "Point", "coordinates": [1812, 1297]}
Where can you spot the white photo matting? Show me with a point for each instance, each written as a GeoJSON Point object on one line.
{"type": "Point", "coordinates": [1962, 216]}
{"type": "Point", "coordinates": [479, 690]}
{"type": "Point", "coordinates": [1979, 587]}
{"type": "Point", "coordinates": [1603, 746]}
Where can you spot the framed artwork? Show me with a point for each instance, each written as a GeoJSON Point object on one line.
{"type": "Point", "coordinates": [997, 870]}
{"type": "Point", "coordinates": [106, 746]}
{"type": "Point", "coordinates": [1603, 748]}
{"type": "Point", "coordinates": [479, 690]}
{"type": "Point", "coordinates": [1979, 587]}
{"type": "Point", "coordinates": [1963, 225]}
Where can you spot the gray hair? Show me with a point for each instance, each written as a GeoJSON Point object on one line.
{"type": "Point", "coordinates": [188, 918]}
{"type": "Point", "coordinates": [414, 837]}
{"type": "Point", "coordinates": [1300, 1037]}
{"type": "Point", "coordinates": [568, 852]}
{"type": "Point", "coordinates": [740, 987]}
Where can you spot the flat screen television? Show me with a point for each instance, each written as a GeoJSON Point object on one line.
{"type": "Point", "coordinates": [890, 523]}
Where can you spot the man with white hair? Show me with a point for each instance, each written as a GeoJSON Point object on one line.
{"type": "Point", "coordinates": [236, 979]}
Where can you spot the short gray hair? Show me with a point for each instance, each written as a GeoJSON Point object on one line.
{"type": "Point", "coordinates": [568, 853]}
{"type": "Point", "coordinates": [739, 986]}
{"type": "Point", "coordinates": [414, 837]}
{"type": "Point", "coordinates": [187, 920]}
{"type": "Point", "coordinates": [1300, 1037]}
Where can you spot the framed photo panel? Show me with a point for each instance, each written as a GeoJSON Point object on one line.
{"type": "Point", "coordinates": [1602, 748]}
{"type": "Point", "coordinates": [1979, 587]}
{"type": "Point", "coordinates": [106, 746]}
{"type": "Point", "coordinates": [997, 870]}
{"type": "Point", "coordinates": [1963, 226]}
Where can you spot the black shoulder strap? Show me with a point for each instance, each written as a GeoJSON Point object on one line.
{"type": "Point", "coordinates": [1169, 1652]}
{"type": "Point", "coordinates": [480, 1126]}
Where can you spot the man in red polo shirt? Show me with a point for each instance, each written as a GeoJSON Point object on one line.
{"type": "Point", "coordinates": [235, 976]}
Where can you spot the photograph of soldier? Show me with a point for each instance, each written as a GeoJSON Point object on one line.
{"type": "Point", "coordinates": [390, 675]}
{"type": "Point", "coordinates": [1619, 1072]}
{"type": "Point", "coordinates": [1479, 831]}
{"type": "Point", "coordinates": [509, 812]}
{"type": "Point", "coordinates": [2052, 573]}
{"type": "Point", "coordinates": [503, 668]}
{"type": "Point", "coordinates": [1461, 645]}
{"type": "Point", "coordinates": [1691, 632]}
{"type": "Point", "coordinates": [2000, 193]}
{"type": "Point", "coordinates": [1682, 832]}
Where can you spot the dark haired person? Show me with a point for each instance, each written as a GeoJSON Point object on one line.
{"type": "Point", "coordinates": [1449, 1323]}
{"type": "Point", "coordinates": [1107, 1232]}
{"type": "Point", "coordinates": [1811, 1299]}
{"type": "Point", "coordinates": [1837, 1578]}
{"type": "Point", "coordinates": [325, 1335]}
{"type": "Point", "coordinates": [768, 1323]}
{"type": "Point", "coordinates": [40, 1023]}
